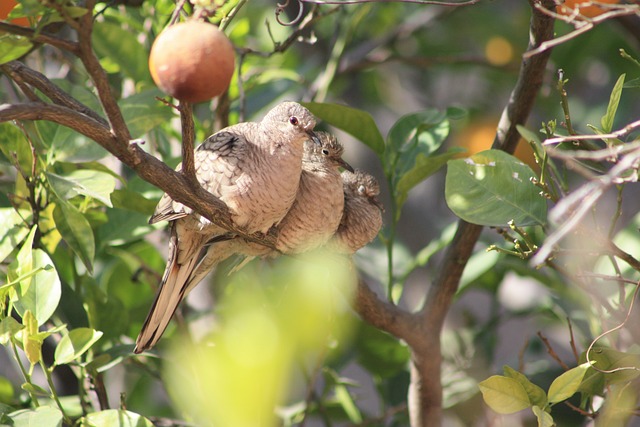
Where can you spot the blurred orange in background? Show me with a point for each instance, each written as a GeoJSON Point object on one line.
{"type": "Point", "coordinates": [479, 135]}
{"type": "Point", "coordinates": [7, 6]}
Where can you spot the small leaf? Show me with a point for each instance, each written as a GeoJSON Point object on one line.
{"type": "Point", "coordinates": [143, 111]}
{"type": "Point", "coordinates": [6, 390]}
{"type": "Point", "coordinates": [355, 122]}
{"type": "Point", "coordinates": [35, 389]}
{"type": "Point", "coordinates": [347, 403]}
{"type": "Point", "coordinates": [504, 395]}
{"type": "Point", "coordinates": [31, 342]}
{"type": "Point", "coordinates": [9, 327]}
{"type": "Point", "coordinates": [544, 418]}
{"type": "Point", "coordinates": [41, 416]}
{"type": "Point", "coordinates": [12, 230]}
{"type": "Point", "coordinates": [23, 264]}
{"type": "Point", "coordinates": [115, 418]}
{"type": "Point", "coordinates": [75, 231]}
{"type": "Point", "coordinates": [492, 188]}
{"type": "Point", "coordinates": [74, 344]}
{"type": "Point", "coordinates": [536, 394]}
{"type": "Point", "coordinates": [567, 384]}
{"type": "Point", "coordinates": [612, 108]}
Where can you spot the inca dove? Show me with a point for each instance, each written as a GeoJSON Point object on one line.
{"type": "Point", "coordinates": [362, 217]}
{"type": "Point", "coordinates": [312, 220]}
{"type": "Point", "coordinates": [255, 169]}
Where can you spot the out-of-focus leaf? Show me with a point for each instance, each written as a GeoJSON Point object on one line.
{"type": "Point", "coordinates": [23, 265]}
{"type": "Point", "coordinates": [124, 226]}
{"type": "Point", "coordinates": [76, 232]}
{"type": "Point", "coordinates": [504, 395]}
{"type": "Point", "coordinates": [115, 418]}
{"type": "Point", "coordinates": [132, 201]}
{"type": "Point", "coordinates": [41, 416]}
{"type": "Point", "coordinates": [119, 45]}
{"type": "Point", "coordinates": [492, 188]}
{"type": "Point", "coordinates": [9, 327]}
{"type": "Point", "coordinates": [612, 108]}
{"type": "Point", "coordinates": [380, 353]}
{"type": "Point", "coordinates": [424, 167]}
{"type": "Point", "coordinates": [355, 122]}
{"type": "Point", "coordinates": [6, 390]}
{"type": "Point", "coordinates": [544, 418]}
{"type": "Point", "coordinates": [13, 144]}
{"type": "Point", "coordinates": [74, 344]}
{"type": "Point", "coordinates": [143, 112]}
{"type": "Point", "coordinates": [13, 46]}
{"type": "Point", "coordinates": [90, 183]}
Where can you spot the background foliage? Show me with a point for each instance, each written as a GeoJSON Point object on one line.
{"type": "Point", "coordinates": [416, 84]}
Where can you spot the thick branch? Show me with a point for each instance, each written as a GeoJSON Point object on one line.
{"type": "Point", "coordinates": [426, 389]}
{"type": "Point", "coordinates": [145, 165]}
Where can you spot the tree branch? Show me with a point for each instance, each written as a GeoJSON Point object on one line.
{"type": "Point", "coordinates": [425, 393]}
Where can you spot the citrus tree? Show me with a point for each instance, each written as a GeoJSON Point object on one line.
{"type": "Point", "coordinates": [502, 284]}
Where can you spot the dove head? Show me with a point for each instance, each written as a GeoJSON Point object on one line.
{"type": "Point", "coordinates": [293, 120]}
{"type": "Point", "coordinates": [324, 148]}
{"type": "Point", "coordinates": [361, 184]}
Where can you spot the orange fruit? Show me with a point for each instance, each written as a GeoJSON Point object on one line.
{"type": "Point", "coordinates": [589, 10]}
{"type": "Point", "coordinates": [192, 61]}
{"type": "Point", "coordinates": [7, 6]}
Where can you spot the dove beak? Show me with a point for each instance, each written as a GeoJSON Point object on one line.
{"type": "Point", "coordinates": [314, 137]}
{"type": "Point", "coordinates": [345, 165]}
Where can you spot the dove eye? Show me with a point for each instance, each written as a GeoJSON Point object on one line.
{"type": "Point", "coordinates": [325, 152]}
{"type": "Point", "coordinates": [293, 120]}
{"type": "Point", "coordinates": [361, 189]}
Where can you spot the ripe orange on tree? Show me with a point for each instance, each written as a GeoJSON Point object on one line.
{"type": "Point", "coordinates": [7, 6]}
{"type": "Point", "coordinates": [192, 61]}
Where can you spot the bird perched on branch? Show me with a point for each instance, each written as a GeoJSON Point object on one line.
{"type": "Point", "coordinates": [252, 167]}
{"type": "Point", "coordinates": [312, 220]}
{"type": "Point", "coordinates": [362, 216]}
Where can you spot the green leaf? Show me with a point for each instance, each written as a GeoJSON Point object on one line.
{"type": "Point", "coordinates": [347, 403]}
{"type": "Point", "coordinates": [492, 188]}
{"type": "Point", "coordinates": [41, 294]}
{"type": "Point", "coordinates": [380, 353]}
{"type": "Point", "coordinates": [13, 47]}
{"type": "Point", "coordinates": [133, 201]}
{"type": "Point", "coordinates": [143, 112]}
{"type": "Point", "coordinates": [115, 418]}
{"type": "Point", "coordinates": [9, 327]}
{"type": "Point", "coordinates": [13, 143]}
{"type": "Point", "coordinates": [504, 395]}
{"type": "Point", "coordinates": [536, 394]}
{"type": "Point", "coordinates": [608, 359]}
{"type": "Point", "coordinates": [355, 122]}
{"type": "Point", "coordinates": [12, 230]}
{"type": "Point", "coordinates": [35, 389]}
{"type": "Point", "coordinates": [76, 232]}
{"type": "Point", "coordinates": [612, 108]}
{"type": "Point", "coordinates": [23, 264]}
{"type": "Point", "coordinates": [425, 130]}
{"type": "Point", "coordinates": [567, 384]}
{"type": "Point", "coordinates": [423, 168]}
{"type": "Point", "coordinates": [544, 418]}
{"type": "Point", "coordinates": [41, 416]}
{"type": "Point", "coordinates": [6, 390]}
{"type": "Point", "coordinates": [74, 344]}
{"type": "Point", "coordinates": [90, 183]}
{"type": "Point", "coordinates": [120, 46]}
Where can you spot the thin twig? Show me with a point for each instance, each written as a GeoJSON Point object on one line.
{"type": "Point", "coordinates": [572, 341]}
{"type": "Point", "coordinates": [617, 134]}
{"type": "Point", "coordinates": [552, 352]}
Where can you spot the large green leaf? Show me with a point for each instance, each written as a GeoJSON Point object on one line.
{"type": "Point", "coordinates": [90, 183]}
{"type": "Point", "coordinates": [74, 344]}
{"type": "Point", "coordinates": [504, 395]}
{"type": "Point", "coordinates": [492, 188]}
{"type": "Point", "coordinates": [355, 122]}
{"type": "Point", "coordinates": [536, 394]}
{"type": "Point", "coordinates": [75, 231]}
{"type": "Point", "coordinates": [14, 145]}
{"type": "Point", "coordinates": [143, 112]}
{"type": "Point", "coordinates": [380, 353]}
{"type": "Point", "coordinates": [41, 294]}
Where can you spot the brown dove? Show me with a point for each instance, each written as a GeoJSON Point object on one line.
{"type": "Point", "coordinates": [362, 216]}
{"type": "Point", "coordinates": [313, 219]}
{"type": "Point", "coordinates": [255, 169]}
